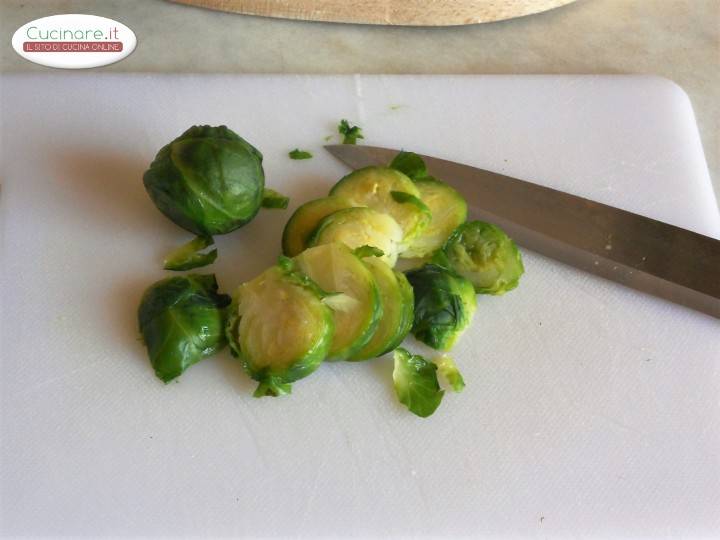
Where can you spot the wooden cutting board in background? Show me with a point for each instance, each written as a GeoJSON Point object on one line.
{"type": "Point", "coordinates": [391, 12]}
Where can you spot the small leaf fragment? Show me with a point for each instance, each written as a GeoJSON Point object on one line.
{"type": "Point", "coordinates": [299, 154]}
{"type": "Point", "coordinates": [190, 254]}
{"type": "Point", "coordinates": [368, 251]}
{"type": "Point", "coordinates": [450, 372]}
{"type": "Point", "coordinates": [350, 133]}
{"type": "Point", "coordinates": [273, 199]}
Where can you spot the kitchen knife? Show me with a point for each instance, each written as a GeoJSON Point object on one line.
{"type": "Point", "coordinates": [636, 251]}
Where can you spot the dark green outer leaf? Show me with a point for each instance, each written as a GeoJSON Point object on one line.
{"type": "Point", "coordinates": [416, 384]}
{"type": "Point", "coordinates": [182, 321]}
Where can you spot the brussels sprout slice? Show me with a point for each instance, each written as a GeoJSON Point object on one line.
{"type": "Point", "coordinates": [279, 328]}
{"type": "Point", "coordinates": [190, 255]}
{"type": "Point", "coordinates": [448, 209]}
{"type": "Point", "coordinates": [374, 187]}
{"type": "Point", "coordinates": [181, 321]}
{"type": "Point", "coordinates": [357, 227]}
{"type": "Point", "coordinates": [397, 304]}
{"type": "Point", "coordinates": [305, 220]}
{"type": "Point", "coordinates": [485, 255]}
{"type": "Point", "coordinates": [335, 268]}
{"type": "Point", "coordinates": [449, 370]}
{"type": "Point", "coordinates": [444, 305]}
{"type": "Point", "coordinates": [416, 384]}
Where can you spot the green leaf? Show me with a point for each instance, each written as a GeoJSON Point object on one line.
{"type": "Point", "coordinates": [416, 383]}
{"type": "Point", "coordinates": [273, 199]}
{"type": "Point", "coordinates": [189, 255]}
{"type": "Point", "coordinates": [449, 370]}
{"type": "Point", "coordinates": [350, 133]}
{"type": "Point", "coordinates": [299, 154]}
{"type": "Point", "coordinates": [410, 164]}
{"type": "Point", "coordinates": [181, 321]}
{"type": "Point", "coordinates": [368, 251]}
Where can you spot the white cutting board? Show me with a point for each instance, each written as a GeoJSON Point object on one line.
{"type": "Point", "coordinates": [590, 409]}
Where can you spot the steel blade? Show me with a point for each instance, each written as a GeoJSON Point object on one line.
{"type": "Point", "coordinates": [648, 255]}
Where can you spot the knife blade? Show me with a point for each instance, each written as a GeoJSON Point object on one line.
{"type": "Point", "coordinates": [643, 253]}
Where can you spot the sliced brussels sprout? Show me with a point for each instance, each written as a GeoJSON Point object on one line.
{"type": "Point", "coordinates": [397, 304]}
{"type": "Point", "coordinates": [390, 192]}
{"type": "Point", "coordinates": [335, 268]}
{"type": "Point", "coordinates": [356, 227]}
{"type": "Point", "coordinates": [448, 209]}
{"type": "Point", "coordinates": [485, 255]}
{"type": "Point", "coordinates": [305, 220]}
{"type": "Point", "coordinates": [209, 180]}
{"type": "Point", "coordinates": [416, 383]}
{"type": "Point", "coordinates": [444, 305]}
{"type": "Point", "coordinates": [280, 328]}
{"type": "Point", "coordinates": [181, 321]}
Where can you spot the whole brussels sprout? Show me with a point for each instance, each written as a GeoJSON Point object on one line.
{"type": "Point", "coordinates": [444, 305]}
{"type": "Point", "coordinates": [182, 321]}
{"type": "Point", "coordinates": [485, 255]}
{"type": "Point", "coordinates": [209, 180]}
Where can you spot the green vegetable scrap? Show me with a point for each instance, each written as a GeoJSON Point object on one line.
{"type": "Point", "coordinates": [190, 255]}
{"type": "Point", "coordinates": [444, 305]}
{"type": "Point", "coordinates": [299, 154]}
{"type": "Point", "coordinates": [273, 199]}
{"type": "Point", "coordinates": [350, 133]}
{"type": "Point", "coordinates": [416, 383]}
{"type": "Point", "coordinates": [485, 255]}
{"type": "Point", "coordinates": [182, 321]}
{"type": "Point", "coordinates": [449, 370]}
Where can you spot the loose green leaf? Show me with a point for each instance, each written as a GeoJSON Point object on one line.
{"type": "Point", "coordinates": [410, 164]}
{"type": "Point", "coordinates": [368, 251]}
{"type": "Point", "coordinates": [416, 383]}
{"type": "Point", "coordinates": [273, 199]}
{"type": "Point", "coordinates": [189, 255]}
{"type": "Point", "coordinates": [299, 154]}
{"type": "Point", "coordinates": [449, 370]}
{"type": "Point", "coordinates": [350, 133]}
{"type": "Point", "coordinates": [181, 321]}
{"type": "Point", "coordinates": [406, 198]}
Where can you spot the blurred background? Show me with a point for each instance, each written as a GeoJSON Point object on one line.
{"type": "Point", "coordinates": [677, 39]}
